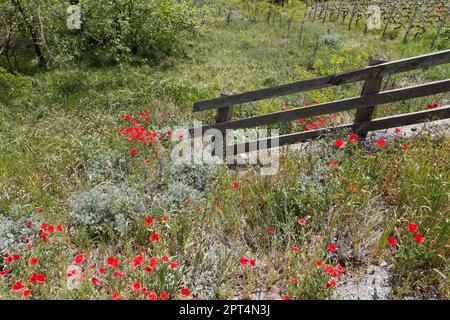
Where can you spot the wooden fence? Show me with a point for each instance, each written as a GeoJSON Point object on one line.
{"type": "Point", "coordinates": [365, 104]}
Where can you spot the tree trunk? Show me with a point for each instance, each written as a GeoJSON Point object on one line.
{"type": "Point", "coordinates": [28, 19]}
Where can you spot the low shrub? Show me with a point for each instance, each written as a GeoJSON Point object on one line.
{"type": "Point", "coordinates": [106, 209]}
{"type": "Point", "coordinates": [193, 174]}
{"type": "Point", "coordinates": [15, 234]}
{"type": "Point", "coordinates": [178, 195]}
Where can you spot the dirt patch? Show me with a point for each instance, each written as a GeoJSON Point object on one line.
{"type": "Point", "coordinates": [374, 283]}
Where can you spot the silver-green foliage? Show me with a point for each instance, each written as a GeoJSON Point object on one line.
{"type": "Point", "coordinates": [195, 175]}
{"type": "Point", "coordinates": [105, 209]}
{"type": "Point", "coordinates": [177, 195]}
{"type": "Point", "coordinates": [14, 233]}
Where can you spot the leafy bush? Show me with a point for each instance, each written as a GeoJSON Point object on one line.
{"type": "Point", "coordinates": [194, 175]}
{"type": "Point", "coordinates": [111, 32]}
{"type": "Point", "coordinates": [178, 195]}
{"type": "Point", "coordinates": [106, 209]}
{"type": "Point", "coordinates": [149, 29]}
{"type": "Point", "coordinates": [13, 84]}
{"type": "Point", "coordinates": [14, 234]}
{"type": "Point", "coordinates": [205, 275]}
{"type": "Point", "coordinates": [202, 282]}
{"type": "Point", "coordinates": [330, 39]}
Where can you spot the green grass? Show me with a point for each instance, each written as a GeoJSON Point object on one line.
{"type": "Point", "coordinates": [71, 116]}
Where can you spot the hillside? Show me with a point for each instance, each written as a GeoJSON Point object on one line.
{"type": "Point", "coordinates": [93, 213]}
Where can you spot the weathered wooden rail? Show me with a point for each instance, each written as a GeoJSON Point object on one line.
{"type": "Point", "coordinates": [365, 104]}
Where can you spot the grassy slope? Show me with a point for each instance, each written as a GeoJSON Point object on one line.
{"type": "Point", "coordinates": [72, 115]}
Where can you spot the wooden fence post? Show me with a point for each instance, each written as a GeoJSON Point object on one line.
{"type": "Point", "coordinates": [370, 86]}
{"type": "Point", "coordinates": [223, 115]}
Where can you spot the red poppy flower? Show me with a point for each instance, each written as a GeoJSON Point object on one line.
{"type": "Point", "coordinates": [59, 228]}
{"type": "Point", "coordinates": [352, 189]}
{"type": "Point", "coordinates": [164, 296]}
{"type": "Point", "coordinates": [112, 262]}
{"type": "Point", "coordinates": [17, 286]}
{"type": "Point", "coordinates": [397, 130]}
{"type": "Point", "coordinates": [69, 273]}
{"type": "Point", "coordinates": [235, 185]}
{"type": "Point", "coordinates": [306, 104]}
{"type": "Point", "coordinates": [33, 261]}
{"type": "Point", "coordinates": [147, 162]}
{"type": "Point", "coordinates": [286, 298]}
{"type": "Point", "coordinates": [412, 228]}
{"type": "Point", "coordinates": [295, 249]}
{"type": "Point", "coordinates": [115, 294]}
{"type": "Point", "coordinates": [136, 262]}
{"type": "Point", "coordinates": [252, 262]}
{"type": "Point", "coordinates": [101, 270]}
{"type": "Point", "coordinates": [418, 237]}
{"type": "Point", "coordinates": [119, 274]}
{"type": "Point", "coordinates": [16, 257]}
{"type": "Point", "coordinates": [301, 222]}
{"type": "Point", "coordinates": [328, 269]}
{"type": "Point", "coordinates": [432, 105]}
{"type": "Point", "coordinates": [404, 146]}
{"type": "Point", "coordinates": [152, 296]}
{"type": "Point", "coordinates": [79, 258]}
{"type": "Point", "coordinates": [294, 280]}
{"type": "Point", "coordinates": [40, 210]}
{"type": "Point", "coordinates": [149, 221]}
{"type": "Point", "coordinates": [134, 152]}
{"type": "Point", "coordinates": [155, 237]}
{"type": "Point", "coordinates": [185, 292]}
{"type": "Point", "coordinates": [380, 143]}
{"type": "Point", "coordinates": [153, 262]}
{"type": "Point", "coordinates": [26, 293]}
{"type": "Point", "coordinates": [339, 143]}
{"type": "Point", "coordinates": [41, 278]}
{"type": "Point", "coordinates": [148, 269]}
{"type": "Point", "coordinates": [270, 230]}
{"type": "Point", "coordinates": [173, 264]}
{"type": "Point", "coordinates": [95, 281]}
{"type": "Point", "coordinates": [4, 273]}
{"type": "Point", "coordinates": [315, 101]}
{"type": "Point", "coordinates": [340, 269]}
{"type": "Point", "coordinates": [392, 241]}
{"type": "Point", "coordinates": [331, 284]}
{"type": "Point", "coordinates": [334, 163]}
{"type": "Point", "coordinates": [165, 258]}
{"type": "Point", "coordinates": [244, 260]}
{"type": "Point", "coordinates": [318, 264]}
{"type": "Point", "coordinates": [136, 286]}
{"type": "Point", "coordinates": [353, 137]}
{"type": "Point", "coordinates": [332, 247]}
